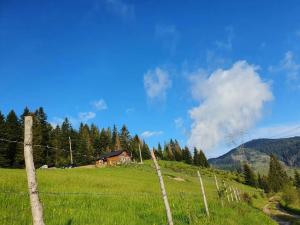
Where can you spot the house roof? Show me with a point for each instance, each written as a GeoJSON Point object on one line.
{"type": "Point", "coordinates": [111, 154]}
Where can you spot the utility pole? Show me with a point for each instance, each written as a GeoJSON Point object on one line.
{"type": "Point", "coordinates": [71, 153]}
{"type": "Point", "coordinates": [36, 206]}
{"type": "Point", "coordinates": [141, 159]}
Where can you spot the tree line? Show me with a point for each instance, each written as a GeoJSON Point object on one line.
{"type": "Point", "coordinates": [276, 179]}
{"type": "Point", "coordinates": [51, 144]}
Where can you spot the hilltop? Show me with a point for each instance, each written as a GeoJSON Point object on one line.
{"type": "Point", "coordinates": [256, 153]}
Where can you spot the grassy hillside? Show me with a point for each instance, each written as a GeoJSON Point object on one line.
{"type": "Point", "coordinates": [123, 195]}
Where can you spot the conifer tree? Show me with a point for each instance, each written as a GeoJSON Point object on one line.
{"type": "Point", "coordinates": [186, 155]}
{"type": "Point", "coordinates": [160, 152]}
{"type": "Point", "coordinates": [277, 177]}
{"type": "Point", "coordinates": [3, 145]}
{"type": "Point", "coordinates": [297, 179]}
{"type": "Point", "coordinates": [13, 132]}
{"type": "Point", "coordinates": [124, 138]}
{"type": "Point", "coordinates": [249, 176]}
{"type": "Point", "coordinates": [145, 151]}
{"type": "Point", "coordinates": [202, 159]}
{"type": "Point", "coordinates": [196, 159]}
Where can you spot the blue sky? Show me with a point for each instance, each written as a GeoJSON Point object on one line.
{"type": "Point", "coordinates": [208, 73]}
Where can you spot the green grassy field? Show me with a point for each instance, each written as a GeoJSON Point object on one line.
{"type": "Point", "coordinates": [123, 195]}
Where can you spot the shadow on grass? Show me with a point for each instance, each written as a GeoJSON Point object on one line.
{"type": "Point", "coordinates": [69, 222]}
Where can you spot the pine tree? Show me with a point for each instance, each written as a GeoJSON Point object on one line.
{"type": "Point", "coordinates": [125, 138]}
{"type": "Point", "coordinates": [177, 151]}
{"type": "Point", "coordinates": [196, 159]}
{"type": "Point", "coordinates": [115, 140]}
{"type": "Point", "coordinates": [13, 132]}
{"type": "Point", "coordinates": [160, 152]}
{"type": "Point", "coordinates": [277, 177]}
{"type": "Point", "coordinates": [297, 179]}
{"type": "Point", "coordinates": [145, 151]}
{"type": "Point", "coordinates": [202, 159]}
{"type": "Point", "coordinates": [263, 183]}
{"type": "Point", "coordinates": [4, 162]}
{"type": "Point", "coordinates": [186, 155]}
{"type": "Point", "coordinates": [249, 176]}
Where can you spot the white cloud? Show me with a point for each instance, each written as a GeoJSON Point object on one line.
{"type": "Point", "coordinates": [121, 8]}
{"type": "Point", "coordinates": [148, 134]}
{"type": "Point", "coordinates": [179, 122]}
{"type": "Point", "coordinates": [230, 101]}
{"type": "Point", "coordinates": [290, 67]}
{"type": "Point", "coordinates": [156, 83]}
{"type": "Point", "coordinates": [100, 104]}
{"type": "Point", "coordinates": [169, 35]}
{"type": "Point", "coordinates": [85, 116]}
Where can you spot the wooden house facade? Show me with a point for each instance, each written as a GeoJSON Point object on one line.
{"type": "Point", "coordinates": [114, 158]}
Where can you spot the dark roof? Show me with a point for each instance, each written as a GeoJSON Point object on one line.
{"type": "Point", "coordinates": [111, 154]}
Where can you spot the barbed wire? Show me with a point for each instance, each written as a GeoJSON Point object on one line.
{"type": "Point", "coordinates": [48, 147]}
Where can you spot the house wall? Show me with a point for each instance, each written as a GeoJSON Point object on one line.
{"type": "Point", "coordinates": [122, 158]}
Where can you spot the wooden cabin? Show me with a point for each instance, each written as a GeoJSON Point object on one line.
{"type": "Point", "coordinates": [114, 158]}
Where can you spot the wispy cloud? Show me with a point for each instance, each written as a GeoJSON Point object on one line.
{"type": "Point", "coordinates": [230, 101]}
{"type": "Point", "coordinates": [85, 116]}
{"type": "Point", "coordinates": [226, 44]}
{"type": "Point", "coordinates": [169, 35]}
{"type": "Point", "coordinates": [148, 134]}
{"type": "Point", "coordinates": [100, 104]}
{"type": "Point", "coordinates": [56, 121]}
{"type": "Point", "coordinates": [179, 124]}
{"type": "Point", "coordinates": [129, 110]}
{"type": "Point", "coordinates": [290, 67]}
{"type": "Point", "coordinates": [120, 8]}
{"type": "Point", "coordinates": [156, 83]}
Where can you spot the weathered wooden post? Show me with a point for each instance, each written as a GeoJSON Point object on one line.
{"type": "Point", "coordinates": [226, 191]}
{"type": "Point", "coordinates": [218, 189]}
{"type": "Point", "coordinates": [163, 190]}
{"type": "Point", "coordinates": [231, 195]}
{"type": "Point", "coordinates": [141, 159]}
{"type": "Point", "coordinates": [203, 193]}
{"type": "Point", "coordinates": [36, 206]}
{"type": "Point", "coordinates": [235, 194]}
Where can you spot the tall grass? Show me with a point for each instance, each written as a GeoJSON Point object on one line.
{"type": "Point", "coordinates": [121, 195]}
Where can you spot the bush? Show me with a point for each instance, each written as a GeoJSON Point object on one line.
{"type": "Point", "coordinates": [247, 198]}
{"type": "Point", "coordinates": [290, 195]}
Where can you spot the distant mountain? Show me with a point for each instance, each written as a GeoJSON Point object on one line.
{"type": "Point", "coordinates": [256, 153]}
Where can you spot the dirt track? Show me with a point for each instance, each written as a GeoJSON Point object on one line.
{"type": "Point", "coordinates": [281, 216]}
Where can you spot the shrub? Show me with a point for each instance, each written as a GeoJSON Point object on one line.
{"type": "Point", "coordinates": [290, 195]}
{"type": "Point", "coordinates": [247, 198]}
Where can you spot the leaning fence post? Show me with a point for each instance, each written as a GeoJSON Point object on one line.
{"type": "Point", "coordinates": [36, 206]}
{"type": "Point", "coordinates": [218, 189]}
{"type": "Point", "coordinates": [203, 193]}
{"type": "Point", "coordinates": [226, 191]}
{"type": "Point", "coordinates": [231, 195]}
{"type": "Point", "coordinates": [235, 194]}
{"type": "Point", "coordinates": [163, 190]}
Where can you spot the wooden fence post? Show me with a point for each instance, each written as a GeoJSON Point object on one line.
{"type": "Point", "coordinates": [163, 190]}
{"type": "Point", "coordinates": [218, 189]}
{"type": "Point", "coordinates": [203, 193]}
{"type": "Point", "coordinates": [231, 195]}
{"type": "Point", "coordinates": [36, 206]}
{"type": "Point", "coordinates": [226, 191]}
{"type": "Point", "coordinates": [141, 158]}
{"type": "Point", "coordinates": [235, 194]}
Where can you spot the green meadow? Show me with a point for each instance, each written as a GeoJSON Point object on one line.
{"type": "Point", "coordinates": [125, 195]}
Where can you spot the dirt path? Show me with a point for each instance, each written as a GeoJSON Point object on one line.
{"type": "Point", "coordinates": [281, 216]}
